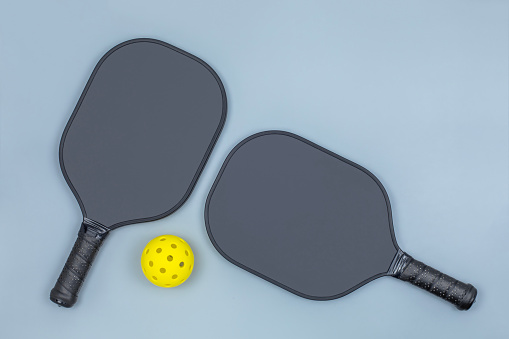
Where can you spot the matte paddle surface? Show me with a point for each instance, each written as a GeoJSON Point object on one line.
{"type": "Point", "coordinates": [300, 216]}
{"type": "Point", "coordinates": [141, 132]}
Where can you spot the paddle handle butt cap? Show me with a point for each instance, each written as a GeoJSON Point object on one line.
{"type": "Point", "coordinates": [68, 285]}
{"type": "Point", "coordinates": [460, 294]}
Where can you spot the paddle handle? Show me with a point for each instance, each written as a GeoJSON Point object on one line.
{"type": "Point", "coordinates": [454, 291]}
{"type": "Point", "coordinates": [67, 287]}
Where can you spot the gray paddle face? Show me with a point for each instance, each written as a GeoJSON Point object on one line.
{"type": "Point", "coordinates": [141, 132]}
{"type": "Point", "coordinates": [300, 216]}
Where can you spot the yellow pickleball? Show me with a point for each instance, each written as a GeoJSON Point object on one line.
{"type": "Point", "coordinates": [167, 261]}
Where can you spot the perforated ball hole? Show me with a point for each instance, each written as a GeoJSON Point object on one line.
{"type": "Point", "coordinates": [187, 253]}
{"type": "Point", "coordinates": [170, 258]}
{"type": "Point", "coordinates": [147, 251]}
{"type": "Point", "coordinates": [159, 250]}
{"type": "Point", "coordinates": [154, 277]}
{"type": "Point", "coordinates": [174, 276]}
{"type": "Point", "coordinates": [151, 263]}
{"type": "Point", "coordinates": [173, 245]}
{"type": "Point", "coordinates": [181, 264]}
{"type": "Point", "coordinates": [168, 285]}
{"type": "Point", "coordinates": [162, 239]}
{"type": "Point", "coordinates": [162, 270]}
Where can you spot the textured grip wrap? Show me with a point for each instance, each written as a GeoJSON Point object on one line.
{"type": "Point", "coordinates": [67, 287]}
{"type": "Point", "coordinates": [415, 272]}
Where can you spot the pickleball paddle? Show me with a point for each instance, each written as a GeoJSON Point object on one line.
{"type": "Point", "coordinates": [136, 144]}
{"type": "Point", "coordinates": [311, 222]}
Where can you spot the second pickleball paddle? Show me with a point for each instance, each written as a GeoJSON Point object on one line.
{"type": "Point", "coordinates": [311, 222]}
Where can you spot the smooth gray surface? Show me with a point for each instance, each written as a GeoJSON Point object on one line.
{"type": "Point", "coordinates": [141, 132]}
{"type": "Point", "coordinates": [300, 216]}
{"type": "Point", "coordinates": [415, 91]}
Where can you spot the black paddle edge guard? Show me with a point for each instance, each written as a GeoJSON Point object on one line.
{"type": "Point", "coordinates": [204, 160]}
{"type": "Point", "coordinates": [408, 269]}
{"type": "Point", "coordinates": [275, 282]}
{"type": "Point", "coordinates": [90, 238]}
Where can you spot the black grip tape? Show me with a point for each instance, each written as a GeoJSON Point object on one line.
{"type": "Point", "coordinates": [67, 287]}
{"type": "Point", "coordinates": [454, 291]}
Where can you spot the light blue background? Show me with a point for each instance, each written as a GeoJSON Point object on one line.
{"type": "Point", "coordinates": [415, 91]}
